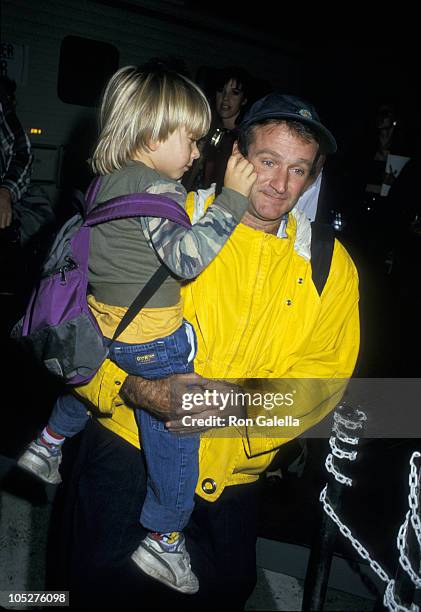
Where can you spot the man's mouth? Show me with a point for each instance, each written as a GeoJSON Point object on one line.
{"type": "Point", "coordinates": [276, 197]}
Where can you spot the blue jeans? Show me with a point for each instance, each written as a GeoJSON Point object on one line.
{"type": "Point", "coordinates": [69, 416]}
{"type": "Point", "coordinates": [95, 529]}
{"type": "Point", "coordinates": [171, 459]}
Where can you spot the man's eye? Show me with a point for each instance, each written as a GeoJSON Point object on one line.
{"type": "Point", "coordinates": [299, 171]}
{"type": "Point", "coordinates": [268, 163]}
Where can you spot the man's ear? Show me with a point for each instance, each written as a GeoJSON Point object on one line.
{"type": "Point", "coordinates": [243, 102]}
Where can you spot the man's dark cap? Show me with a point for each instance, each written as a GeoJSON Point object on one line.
{"type": "Point", "coordinates": [277, 106]}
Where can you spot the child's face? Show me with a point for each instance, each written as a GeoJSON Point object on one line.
{"type": "Point", "coordinates": [173, 157]}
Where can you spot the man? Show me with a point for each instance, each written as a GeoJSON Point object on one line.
{"type": "Point", "coordinates": [15, 154]}
{"type": "Point", "coordinates": [25, 209]}
{"type": "Point", "coordinates": [15, 166]}
{"type": "Point", "coordinates": [262, 320]}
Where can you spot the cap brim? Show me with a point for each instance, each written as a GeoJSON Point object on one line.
{"type": "Point", "coordinates": [329, 142]}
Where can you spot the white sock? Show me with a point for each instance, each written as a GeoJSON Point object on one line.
{"type": "Point", "coordinates": [49, 439]}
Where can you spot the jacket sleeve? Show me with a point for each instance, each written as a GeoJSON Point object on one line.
{"type": "Point", "coordinates": [186, 252]}
{"type": "Point", "coordinates": [16, 173]}
{"type": "Point", "coordinates": [317, 380]}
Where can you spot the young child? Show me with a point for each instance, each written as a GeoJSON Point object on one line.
{"type": "Point", "coordinates": [151, 120]}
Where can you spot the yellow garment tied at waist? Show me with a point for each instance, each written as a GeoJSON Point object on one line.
{"type": "Point", "coordinates": [148, 325]}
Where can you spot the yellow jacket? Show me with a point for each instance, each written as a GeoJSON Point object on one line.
{"type": "Point", "coordinates": [257, 315]}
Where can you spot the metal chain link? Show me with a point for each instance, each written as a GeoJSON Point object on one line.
{"type": "Point", "coordinates": [331, 468]}
{"type": "Point", "coordinates": [403, 547]}
{"type": "Point", "coordinates": [349, 424]}
{"type": "Point", "coordinates": [363, 552]}
{"type": "Point", "coordinates": [339, 452]}
{"type": "Point", "coordinates": [416, 525]}
{"type": "Point", "coordinates": [413, 497]}
{"type": "Point", "coordinates": [390, 602]}
{"type": "Point", "coordinates": [342, 436]}
{"type": "Point", "coordinates": [411, 516]}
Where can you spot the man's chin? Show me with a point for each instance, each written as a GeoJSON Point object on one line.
{"type": "Point", "coordinates": [267, 216]}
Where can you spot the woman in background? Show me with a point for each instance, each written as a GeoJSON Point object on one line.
{"type": "Point", "coordinates": [231, 91]}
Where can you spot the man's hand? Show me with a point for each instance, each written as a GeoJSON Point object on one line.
{"type": "Point", "coordinates": [216, 399]}
{"type": "Point", "coordinates": [5, 208]}
{"type": "Point", "coordinates": [170, 399]}
{"type": "Point", "coordinates": [164, 397]}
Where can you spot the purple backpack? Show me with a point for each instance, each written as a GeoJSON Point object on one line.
{"type": "Point", "coordinates": [58, 326]}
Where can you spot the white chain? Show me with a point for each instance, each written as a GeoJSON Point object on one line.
{"type": "Point", "coordinates": [416, 525]}
{"type": "Point", "coordinates": [411, 515]}
{"type": "Point", "coordinates": [389, 596]}
{"type": "Point", "coordinates": [342, 436]}
{"type": "Point", "coordinates": [390, 602]}
{"type": "Point", "coordinates": [413, 497]}
{"type": "Point", "coordinates": [331, 468]}
{"type": "Point", "coordinates": [339, 452]}
{"type": "Point", "coordinates": [350, 424]}
{"type": "Point", "coordinates": [363, 552]}
{"type": "Point", "coordinates": [402, 547]}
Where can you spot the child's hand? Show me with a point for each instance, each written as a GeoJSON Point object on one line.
{"type": "Point", "coordinates": [240, 174]}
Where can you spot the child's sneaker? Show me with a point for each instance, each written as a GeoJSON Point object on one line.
{"type": "Point", "coordinates": [42, 461]}
{"type": "Point", "coordinates": [172, 567]}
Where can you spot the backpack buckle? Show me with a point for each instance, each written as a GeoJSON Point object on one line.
{"type": "Point", "coordinates": [70, 265]}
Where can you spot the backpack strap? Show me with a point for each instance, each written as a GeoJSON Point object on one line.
{"type": "Point", "coordinates": [134, 205]}
{"type": "Point", "coordinates": [322, 243]}
{"type": "Point", "coordinates": [138, 205]}
{"type": "Point", "coordinates": [143, 298]}
{"type": "Point", "coordinates": [91, 193]}
{"type": "Point", "coordinates": [131, 205]}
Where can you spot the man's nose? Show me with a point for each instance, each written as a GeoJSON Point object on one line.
{"type": "Point", "coordinates": [279, 180]}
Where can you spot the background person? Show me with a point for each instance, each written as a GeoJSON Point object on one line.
{"type": "Point", "coordinates": [231, 91]}
{"type": "Point", "coordinates": [26, 215]}
{"type": "Point", "coordinates": [15, 153]}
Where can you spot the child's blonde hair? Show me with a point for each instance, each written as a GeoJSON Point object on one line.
{"type": "Point", "coordinates": [140, 106]}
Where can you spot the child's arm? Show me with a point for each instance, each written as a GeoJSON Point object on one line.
{"type": "Point", "coordinates": [187, 252]}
